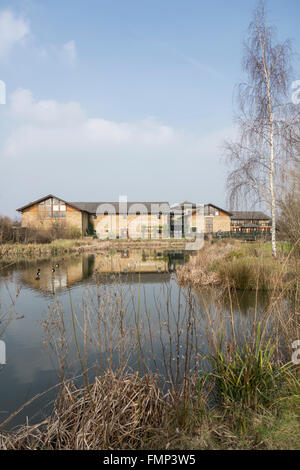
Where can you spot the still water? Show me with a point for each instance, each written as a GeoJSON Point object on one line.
{"type": "Point", "coordinates": [103, 300]}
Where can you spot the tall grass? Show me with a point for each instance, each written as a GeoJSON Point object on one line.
{"type": "Point", "coordinates": [241, 266]}
{"type": "Point", "coordinates": [248, 375]}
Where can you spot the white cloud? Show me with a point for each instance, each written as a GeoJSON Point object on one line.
{"type": "Point", "coordinates": [70, 52]}
{"type": "Point", "coordinates": [54, 147]}
{"type": "Point", "coordinates": [13, 30]}
{"type": "Point", "coordinates": [47, 124]}
{"type": "Point", "coordinates": [24, 109]}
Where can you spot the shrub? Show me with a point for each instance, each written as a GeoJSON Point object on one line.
{"type": "Point", "coordinates": [56, 231]}
{"type": "Point", "coordinates": [73, 233]}
{"type": "Point", "coordinates": [247, 375]}
{"type": "Point", "coordinates": [7, 233]}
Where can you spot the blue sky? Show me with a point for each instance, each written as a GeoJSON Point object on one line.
{"type": "Point", "coordinates": [110, 97]}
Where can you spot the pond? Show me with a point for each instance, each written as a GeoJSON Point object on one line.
{"type": "Point", "coordinates": [111, 308]}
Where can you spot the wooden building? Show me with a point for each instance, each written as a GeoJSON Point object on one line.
{"type": "Point", "coordinates": [250, 221]}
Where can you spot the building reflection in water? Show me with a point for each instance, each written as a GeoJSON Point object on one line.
{"type": "Point", "coordinates": [56, 275]}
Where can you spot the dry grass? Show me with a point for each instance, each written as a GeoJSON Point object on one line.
{"type": "Point", "coordinates": [241, 266]}
{"type": "Point", "coordinates": [115, 412]}
{"type": "Point", "coordinates": [197, 271]}
{"type": "Point", "coordinates": [122, 412]}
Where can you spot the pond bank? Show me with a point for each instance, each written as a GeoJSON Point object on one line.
{"type": "Point", "coordinates": [12, 253]}
{"type": "Point", "coordinates": [238, 265]}
{"type": "Point", "coordinates": [123, 411]}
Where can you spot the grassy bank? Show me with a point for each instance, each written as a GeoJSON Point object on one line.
{"type": "Point", "coordinates": [241, 265]}
{"type": "Point", "coordinates": [14, 252]}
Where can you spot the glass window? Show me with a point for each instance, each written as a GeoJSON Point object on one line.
{"type": "Point", "coordinates": [52, 208]}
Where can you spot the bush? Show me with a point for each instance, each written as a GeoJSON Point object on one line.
{"type": "Point", "coordinates": [72, 233]}
{"type": "Point", "coordinates": [7, 232]}
{"type": "Point", "coordinates": [56, 231]}
{"type": "Point", "coordinates": [247, 375]}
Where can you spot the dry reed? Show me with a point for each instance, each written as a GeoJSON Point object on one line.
{"type": "Point", "coordinates": [108, 417]}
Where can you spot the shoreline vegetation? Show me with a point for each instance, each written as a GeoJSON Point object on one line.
{"type": "Point", "coordinates": [256, 407]}
{"type": "Point", "coordinates": [242, 266]}
{"type": "Point", "coordinates": [11, 253]}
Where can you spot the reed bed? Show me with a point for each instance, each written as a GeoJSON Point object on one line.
{"type": "Point", "coordinates": [199, 271]}
{"type": "Point", "coordinates": [115, 412]}
{"type": "Point", "coordinates": [241, 266]}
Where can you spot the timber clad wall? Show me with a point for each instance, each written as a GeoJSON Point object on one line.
{"type": "Point", "coordinates": [31, 218]}
{"type": "Point", "coordinates": [74, 218]}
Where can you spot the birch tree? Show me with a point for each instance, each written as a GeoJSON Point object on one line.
{"type": "Point", "coordinates": [264, 137]}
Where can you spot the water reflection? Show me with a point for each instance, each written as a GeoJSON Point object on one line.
{"type": "Point", "coordinates": [105, 288]}
{"type": "Point", "coordinates": [55, 276]}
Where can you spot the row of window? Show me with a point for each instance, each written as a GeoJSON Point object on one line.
{"type": "Point", "coordinates": [249, 221]}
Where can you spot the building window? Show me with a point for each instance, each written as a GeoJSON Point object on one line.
{"type": "Point", "coordinates": [52, 209]}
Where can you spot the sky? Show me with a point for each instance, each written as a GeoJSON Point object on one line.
{"type": "Point", "coordinates": [122, 97]}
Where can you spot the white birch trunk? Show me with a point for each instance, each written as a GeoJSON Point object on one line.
{"type": "Point", "coordinates": [272, 192]}
{"type": "Point", "coordinates": [271, 170]}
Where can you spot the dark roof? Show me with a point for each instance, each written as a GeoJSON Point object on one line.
{"type": "Point", "coordinates": [132, 207]}
{"type": "Point", "coordinates": [182, 205]}
{"type": "Point", "coordinates": [194, 205]}
{"type": "Point", "coordinates": [218, 208]}
{"type": "Point", "coordinates": [91, 207]}
{"type": "Point", "coordinates": [37, 201]}
{"type": "Point", "coordinates": [249, 215]}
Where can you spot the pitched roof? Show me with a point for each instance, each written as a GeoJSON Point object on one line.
{"type": "Point", "coordinates": [91, 207]}
{"type": "Point", "coordinates": [218, 208]}
{"type": "Point", "coordinates": [132, 207]}
{"type": "Point", "coordinates": [193, 205]}
{"type": "Point", "coordinates": [185, 205]}
{"type": "Point", "coordinates": [37, 201]}
{"type": "Point", "coordinates": [249, 215]}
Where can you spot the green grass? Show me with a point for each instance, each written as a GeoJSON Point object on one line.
{"type": "Point", "coordinates": [250, 273]}
{"type": "Point", "coordinates": [248, 375]}
{"type": "Point", "coordinates": [251, 266]}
